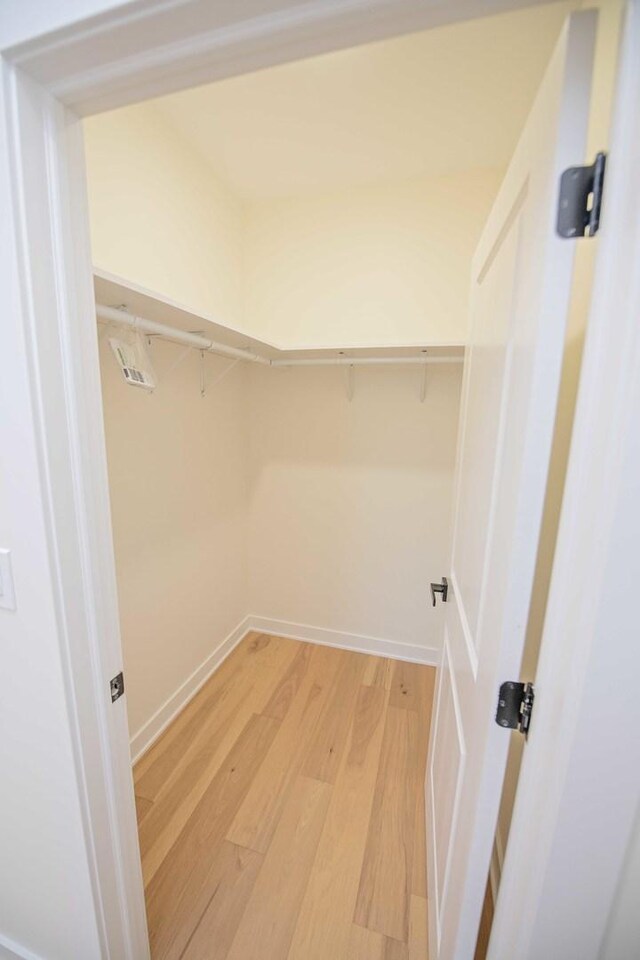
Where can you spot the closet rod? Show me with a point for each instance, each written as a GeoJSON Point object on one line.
{"type": "Point", "coordinates": [113, 315]}
{"type": "Point", "coordinates": [125, 319]}
{"type": "Point", "coordinates": [361, 361]}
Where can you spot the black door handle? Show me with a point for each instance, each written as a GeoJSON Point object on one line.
{"type": "Point", "coordinates": [441, 588]}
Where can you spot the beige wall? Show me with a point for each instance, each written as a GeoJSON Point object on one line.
{"type": "Point", "coordinates": [385, 264]}
{"type": "Point", "coordinates": [301, 507]}
{"type": "Point", "coordinates": [285, 501]}
{"type": "Point", "coordinates": [273, 496]}
{"type": "Point", "coordinates": [350, 501]}
{"type": "Point", "coordinates": [377, 265]}
{"type": "Point", "coordinates": [177, 478]}
{"type": "Point", "coordinates": [159, 216]}
{"type": "Point", "coordinates": [282, 500]}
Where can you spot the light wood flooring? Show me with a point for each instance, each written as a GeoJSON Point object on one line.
{"type": "Point", "coordinates": [281, 815]}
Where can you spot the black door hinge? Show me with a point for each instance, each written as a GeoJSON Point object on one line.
{"type": "Point", "coordinates": [515, 705]}
{"type": "Point", "coordinates": [580, 199]}
{"type": "Point", "coordinates": [442, 588]}
{"type": "Point", "coordinates": [116, 685]}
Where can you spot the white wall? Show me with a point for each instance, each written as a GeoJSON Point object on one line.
{"type": "Point", "coordinates": [622, 940]}
{"type": "Point", "coordinates": [21, 23]}
{"type": "Point", "coordinates": [46, 896]}
{"type": "Point", "coordinates": [178, 485]}
{"type": "Point", "coordinates": [376, 265]}
{"type": "Point", "coordinates": [350, 502]}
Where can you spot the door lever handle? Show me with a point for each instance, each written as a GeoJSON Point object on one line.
{"type": "Point", "coordinates": [442, 588]}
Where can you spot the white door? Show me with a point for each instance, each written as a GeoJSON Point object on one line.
{"type": "Point", "coordinates": [520, 288]}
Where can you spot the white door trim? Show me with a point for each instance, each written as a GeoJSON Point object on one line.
{"type": "Point", "coordinates": [141, 50]}
{"type": "Point", "coordinates": [89, 66]}
{"type": "Point", "coordinates": [55, 296]}
{"type": "Point", "coordinates": [579, 784]}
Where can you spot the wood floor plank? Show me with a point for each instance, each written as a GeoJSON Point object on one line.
{"type": "Point", "coordinates": [364, 944]}
{"type": "Point", "coordinates": [160, 829]}
{"type": "Point", "coordinates": [385, 882]}
{"type": "Point", "coordinates": [395, 949]}
{"type": "Point", "coordinates": [250, 690]}
{"type": "Point", "coordinates": [419, 871]}
{"type": "Point", "coordinates": [378, 672]}
{"type": "Point", "coordinates": [284, 694]}
{"type": "Point", "coordinates": [182, 888]}
{"type": "Point", "coordinates": [312, 757]}
{"type": "Point", "coordinates": [418, 929]}
{"type": "Point", "coordinates": [325, 750]}
{"type": "Point", "coordinates": [486, 922]}
{"type": "Point", "coordinates": [407, 684]}
{"type": "Point", "coordinates": [268, 922]}
{"type": "Point", "coordinates": [232, 881]}
{"type": "Point", "coordinates": [143, 806]}
{"type": "Point", "coordinates": [256, 820]}
{"type": "Point", "coordinates": [368, 945]}
{"type": "Point", "coordinates": [426, 686]}
{"type": "Point", "coordinates": [153, 769]}
{"type": "Point", "coordinates": [324, 923]}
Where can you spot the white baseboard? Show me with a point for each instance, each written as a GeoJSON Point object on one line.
{"type": "Point", "coordinates": [151, 730]}
{"type": "Point", "coordinates": [347, 641]}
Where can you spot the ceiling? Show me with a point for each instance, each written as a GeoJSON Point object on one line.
{"type": "Point", "coordinates": [432, 103]}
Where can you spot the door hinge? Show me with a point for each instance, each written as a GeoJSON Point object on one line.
{"type": "Point", "coordinates": [116, 685]}
{"type": "Point", "coordinates": [442, 588]}
{"type": "Point", "coordinates": [515, 705]}
{"type": "Point", "coordinates": [580, 200]}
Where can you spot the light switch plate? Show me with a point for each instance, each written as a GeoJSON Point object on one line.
{"type": "Point", "coordinates": [7, 593]}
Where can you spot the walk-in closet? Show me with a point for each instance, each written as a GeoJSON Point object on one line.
{"type": "Point", "coordinates": [288, 267]}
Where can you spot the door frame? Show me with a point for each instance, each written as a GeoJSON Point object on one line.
{"type": "Point", "coordinates": [48, 82]}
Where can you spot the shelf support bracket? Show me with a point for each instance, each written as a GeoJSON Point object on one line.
{"type": "Point", "coordinates": [423, 379]}
{"type": "Point", "coordinates": [176, 363]}
{"type": "Point", "coordinates": [222, 375]}
{"type": "Point", "coordinates": [350, 381]}
{"type": "Point", "coordinates": [423, 383]}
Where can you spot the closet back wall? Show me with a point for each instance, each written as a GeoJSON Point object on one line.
{"type": "Point", "coordinates": [381, 264]}
{"type": "Point", "coordinates": [350, 502]}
